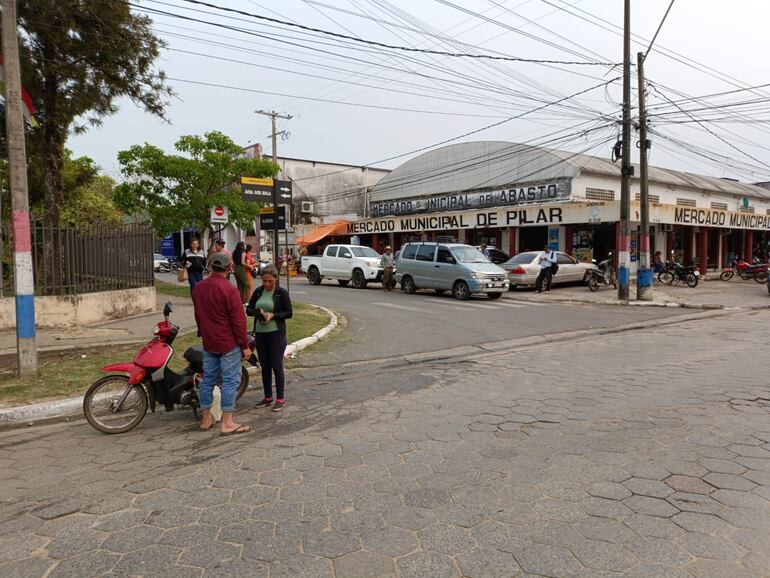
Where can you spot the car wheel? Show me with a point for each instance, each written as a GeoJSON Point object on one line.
{"type": "Point", "coordinates": [407, 285]}
{"type": "Point", "coordinates": [461, 291]}
{"type": "Point", "coordinates": [313, 276]}
{"type": "Point", "coordinates": [359, 281]}
{"type": "Point", "coordinates": [343, 282]}
{"type": "Point", "coordinates": [495, 295]}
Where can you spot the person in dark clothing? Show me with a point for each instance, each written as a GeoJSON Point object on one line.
{"type": "Point", "coordinates": [241, 271]}
{"type": "Point", "coordinates": [270, 305]}
{"type": "Point", "coordinates": [222, 328]}
{"type": "Point", "coordinates": [194, 259]}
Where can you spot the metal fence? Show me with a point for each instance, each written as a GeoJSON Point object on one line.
{"type": "Point", "coordinates": [84, 259]}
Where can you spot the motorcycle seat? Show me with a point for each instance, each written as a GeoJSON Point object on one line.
{"type": "Point", "coordinates": [194, 354]}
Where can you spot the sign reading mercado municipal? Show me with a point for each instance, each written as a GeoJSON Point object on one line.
{"type": "Point", "coordinates": [513, 195]}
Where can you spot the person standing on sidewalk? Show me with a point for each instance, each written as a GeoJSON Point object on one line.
{"type": "Point", "coordinates": [242, 272]}
{"type": "Point", "coordinates": [386, 262]}
{"type": "Point", "coordinates": [546, 259]}
{"type": "Point", "coordinates": [270, 305]}
{"type": "Point", "coordinates": [222, 327]}
{"type": "Point", "coordinates": [194, 259]}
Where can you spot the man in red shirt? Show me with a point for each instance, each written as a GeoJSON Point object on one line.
{"type": "Point", "coordinates": [222, 327]}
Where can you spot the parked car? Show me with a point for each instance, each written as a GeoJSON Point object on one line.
{"type": "Point", "coordinates": [524, 268]}
{"type": "Point", "coordinates": [454, 267]}
{"type": "Point", "coordinates": [345, 263]}
{"type": "Point", "coordinates": [160, 263]}
{"type": "Point", "coordinates": [495, 254]}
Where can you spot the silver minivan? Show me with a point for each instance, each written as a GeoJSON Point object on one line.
{"type": "Point", "coordinates": [454, 267]}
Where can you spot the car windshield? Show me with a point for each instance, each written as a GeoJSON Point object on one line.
{"type": "Point", "coordinates": [159, 257]}
{"type": "Point", "coordinates": [468, 255]}
{"type": "Point", "coordinates": [522, 258]}
{"type": "Point", "coordinates": [364, 252]}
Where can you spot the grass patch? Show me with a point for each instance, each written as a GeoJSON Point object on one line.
{"type": "Point", "coordinates": [70, 373]}
{"type": "Point", "coordinates": [163, 288]}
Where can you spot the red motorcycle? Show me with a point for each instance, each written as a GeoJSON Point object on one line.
{"type": "Point", "coordinates": [117, 403]}
{"type": "Point", "coordinates": [746, 271]}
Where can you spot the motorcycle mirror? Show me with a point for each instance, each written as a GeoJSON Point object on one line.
{"type": "Point", "coordinates": [167, 309]}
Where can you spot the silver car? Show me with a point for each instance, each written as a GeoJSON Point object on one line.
{"type": "Point", "coordinates": [524, 268]}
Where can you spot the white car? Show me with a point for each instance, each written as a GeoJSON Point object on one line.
{"type": "Point", "coordinates": [159, 262]}
{"type": "Point", "coordinates": [345, 263]}
{"type": "Point", "coordinates": [524, 268]}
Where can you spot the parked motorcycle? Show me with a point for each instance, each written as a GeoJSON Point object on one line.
{"type": "Point", "coordinates": [602, 276]}
{"type": "Point", "coordinates": [746, 271]}
{"type": "Point", "coordinates": [674, 273]}
{"type": "Point", "coordinates": [117, 402]}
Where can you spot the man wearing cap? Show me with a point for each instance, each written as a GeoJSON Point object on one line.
{"type": "Point", "coordinates": [222, 328]}
{"type": "Point", "coordinates": [387, 262]}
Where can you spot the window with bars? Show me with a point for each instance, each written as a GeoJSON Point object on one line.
{"type": "Point", "coordinates": [746, 209]}
{"type": "Point", "coordinates": [767, 211]}
{"type": "Point", "coordinates": [653, 198]}
{"type": "Point", "coordinates": [599, 194]}
{"type": "Point", "coordinates": [720, 206]}
{"type": "Point", "coordinates": [685, 202]}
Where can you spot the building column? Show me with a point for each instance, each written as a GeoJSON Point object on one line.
{"type": "Point", "coordinates": [511, 248]}
{"type": "Point", "coordinates": [461, 236]}
{"type": "Point", "coordinates": [568, 248]}
{"type": "Point", "coordinates": [749, 249]}
{"type": "Point", "coordinates": [376, 242]}
{"type": "Point", "coordinates": [669, 245]}
{"type": "Point", "coordinates": [703, 249]}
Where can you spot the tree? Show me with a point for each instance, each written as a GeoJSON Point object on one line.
{"type": "Point", "coordinates": [78, 57]}
{"type": "Point", "coordinates": [178, 190]}
{"type": "Point", "coordinates": [91, 202]}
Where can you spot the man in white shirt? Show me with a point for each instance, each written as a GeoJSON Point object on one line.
{"type": "Point", "coordinates": [546, 259]}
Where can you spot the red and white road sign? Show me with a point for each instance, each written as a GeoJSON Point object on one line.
{"type": "Point", "coordinates": [219, 215]}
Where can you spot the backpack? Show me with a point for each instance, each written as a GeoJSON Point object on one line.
{"type": "Point", "coordinates": [554, 266]}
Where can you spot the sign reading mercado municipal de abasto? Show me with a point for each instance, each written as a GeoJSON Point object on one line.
{"type": "Point", "coordinates": [508, 196]}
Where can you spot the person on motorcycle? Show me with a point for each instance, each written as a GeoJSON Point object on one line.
{"type": "Point", "coordinates": [222, 328]}
{"type": "Point", "coordinates": [657, 262]}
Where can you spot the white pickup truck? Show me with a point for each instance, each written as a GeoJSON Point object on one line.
{"type": "Point", "coordinates": [345, 263]}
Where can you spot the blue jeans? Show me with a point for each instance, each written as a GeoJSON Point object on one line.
{"type": "Point", "coordinates": [193, 279]}
{"type": "Point", "coordinates": [228, 365]}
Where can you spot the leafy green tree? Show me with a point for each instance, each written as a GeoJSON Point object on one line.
{"type": "Point", "coordinates": [178, 190]}
{"type": "Point", "coordinates": [77, 58]}
{"type": "Point", "coordinates": [91, 202]}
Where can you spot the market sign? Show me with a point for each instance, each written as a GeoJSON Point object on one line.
{"type": "Point", "coordinates": [714, 218]}
{"type": "Point", "coordinates": [509, 196]}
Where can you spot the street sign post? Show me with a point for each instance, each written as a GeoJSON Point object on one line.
{"type": "Point", "coordinates": [254, 190]}
{"type": "Point", "coordinates": [267, 219]}
{"type": "Point", "coordinates": [219, 215]}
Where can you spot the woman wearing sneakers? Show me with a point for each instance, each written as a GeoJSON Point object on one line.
{"type": "Point", "coordinates": [270, 305]}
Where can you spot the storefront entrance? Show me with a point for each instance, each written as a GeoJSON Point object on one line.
{"type": "Point", "coordinates": [532, 238]}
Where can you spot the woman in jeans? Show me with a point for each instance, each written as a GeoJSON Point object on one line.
{"type": "Point", "coordinates": [270, 305]}
{"type": "Point", "coordinates": [241, 271]}
{"type": "Point", "coordinates": [194, 259]}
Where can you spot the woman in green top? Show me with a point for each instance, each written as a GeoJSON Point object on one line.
{"type": "Point", "coordinates": [270, 305]}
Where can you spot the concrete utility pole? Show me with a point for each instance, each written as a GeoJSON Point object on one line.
{"type": "Point", "coordinates": [24, 285]}
{"type": "Point", "coordinates": [643, 273]}
{"type": "Point", "coordinates": [274, 136]}
{"type": "Point", "coordinates": [624, 257]}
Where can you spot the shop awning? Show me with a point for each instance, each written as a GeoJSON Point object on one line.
{"type": "Point", "coordinates": [323, 231]}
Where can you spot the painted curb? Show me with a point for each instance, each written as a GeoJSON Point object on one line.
{"type": "Point", "coordinates": [14, 416]}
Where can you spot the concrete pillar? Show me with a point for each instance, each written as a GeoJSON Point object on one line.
{"type": "Point", "coordinates": [749, 249]}
{"type": "Point", "coordinates": [703, 249]}
{"type": "Point", "coordinates": [511, 246]}
{"type": "Point", "coordinates": [461, 236]}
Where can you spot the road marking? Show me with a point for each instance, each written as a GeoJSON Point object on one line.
{"type": "Point", "coordinates": [300, 292]}
{"type": "Point", "coordinates": [394, 306]}
{"type": "Point", "coordinates": [505, 304]}
{"type": "Point", "coordinates": [479, 305]}
{"type": "Point", "coordinates": [528, 303]}
{"type": "Point", "coordinates": [448, 305]}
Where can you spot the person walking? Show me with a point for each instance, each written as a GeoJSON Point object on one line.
{"type": "Point", "coordinates": [222, 328]}
{"type": "Point", "coordinates": [194, 260]}
{"type": "Point", "coordinates": [386, 262]}
{"type": "Point", "coordinates": [547, 260]}
{"type": "Point", "coordinates": [270, 305]}
{"type": "Point", "coordinates": [250, 269]}
{"type": "Point", "coordinates": [242, 272]}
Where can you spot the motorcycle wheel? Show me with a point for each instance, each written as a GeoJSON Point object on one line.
{"type": "Point", "coordinates": [244, 383]}
{"type": "Point", "coordinates": [666, 277]}
{"type": "Point", "coordinates": [593, 285]}
{"type": "Point", "coordinates": [101, 398]}
{"type": "Point", "coordinates": [761, 277]}
{"type": "Point", "coordinates": [691, 280]}
{"type": "Point", "coordinates": [726, 275]}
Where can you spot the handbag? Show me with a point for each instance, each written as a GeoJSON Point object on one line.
{"type": "Point", "coordinates": [182, 275]}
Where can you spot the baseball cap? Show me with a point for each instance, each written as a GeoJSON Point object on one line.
{"type": "Point", "coordinates": [220, 261]}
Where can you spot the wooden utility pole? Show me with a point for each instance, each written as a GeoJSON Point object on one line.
{"type": "Point", "coordinates": [24, 286]}
{"type": "Point", "coordinates": [644, 272]}
{"type": "Point", "coordinates": [274, 136]}
{"type": "Point", "coordinates": [624, 257]}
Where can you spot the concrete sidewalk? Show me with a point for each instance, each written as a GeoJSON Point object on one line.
{"type": "Point", "coordinates": [711, 294]}
{"type": "Point", "coordinates": [116, 332]}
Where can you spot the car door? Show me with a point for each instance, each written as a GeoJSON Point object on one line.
{"type": "Point", "coordinates": [424, 276]}
{"type": "Point", "coordinates": [444, 269]}
{"type": "Point", "coordinates": [568, 269]}
{"type": "Point", "coordinates": [344, 263]}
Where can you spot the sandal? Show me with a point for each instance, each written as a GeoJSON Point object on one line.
{"type": "Point", "coordinates": [239, 430]}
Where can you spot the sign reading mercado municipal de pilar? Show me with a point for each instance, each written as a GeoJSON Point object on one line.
{"type": "Point", "coordinates": [509, 196]}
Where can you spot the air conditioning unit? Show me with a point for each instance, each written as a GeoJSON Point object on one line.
{"type": "Point", "coordinates": [306, 207]}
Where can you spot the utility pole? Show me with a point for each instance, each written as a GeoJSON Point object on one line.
{"type": "Point", "coordinates": [274, 136]}
{"type": "Point", "coordinates": [26, 348]}
{"type": "Point", "coordinates": [643, 273]}
{"type": "Point", "coordinates": [624, 257]}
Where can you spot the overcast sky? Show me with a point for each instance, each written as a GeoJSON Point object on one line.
{"type": "Point", "coordinates": [704, 47]}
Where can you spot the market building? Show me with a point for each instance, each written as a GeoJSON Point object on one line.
{"type": "Point", "coordinates": [517, 197]}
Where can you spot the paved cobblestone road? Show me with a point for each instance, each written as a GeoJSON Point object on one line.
{"type": "Point", "coordinates": [638, 454]}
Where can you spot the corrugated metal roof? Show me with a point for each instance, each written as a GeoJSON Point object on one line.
{"type": "Point", "coordinates": [496, 164]}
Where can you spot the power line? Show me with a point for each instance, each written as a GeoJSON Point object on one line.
{"type": "Point", "coordinates": [658, 30]}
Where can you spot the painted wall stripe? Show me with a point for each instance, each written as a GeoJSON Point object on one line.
{"type": "Point", "coordinates": [25, 278]}
{"type": "Point", "coordinates": [22, 239]}
{"type": "Point", "coordinates": [25, 316]}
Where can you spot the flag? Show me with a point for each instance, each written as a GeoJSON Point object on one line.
{"type": "Point", "coordinates": [27, 108]}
